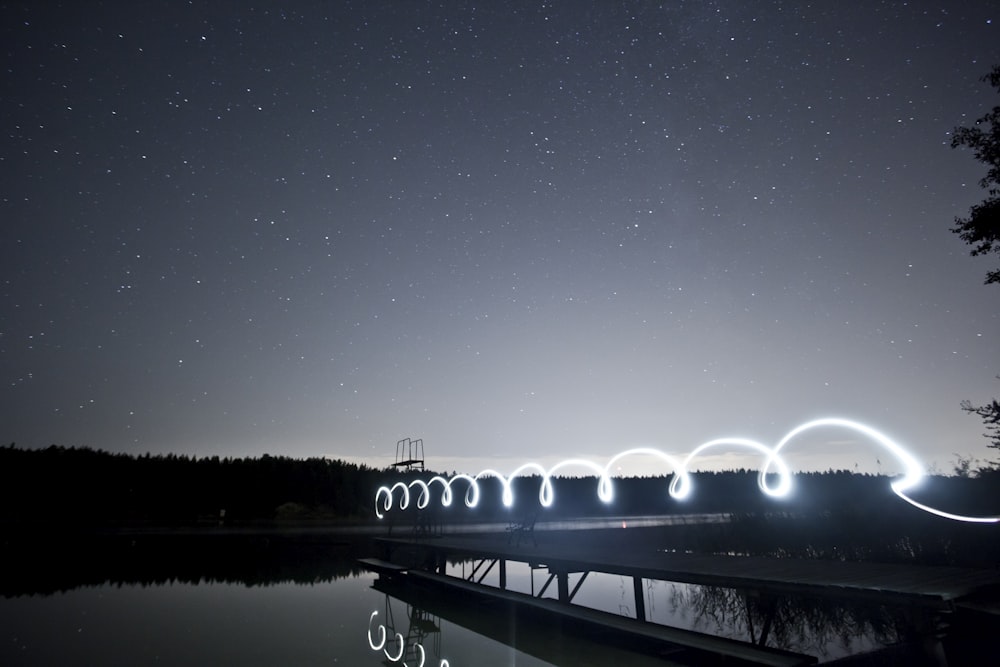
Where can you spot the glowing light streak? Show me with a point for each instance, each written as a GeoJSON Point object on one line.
{"type": "Point", "coordinates": [680, 485]}
{"type": "Point", "coordinates": [402, 647]}
{"type": "Point", "coordinates": [384, 496]}
{"type": "Point", "coordinates": [381, 629]}
{"type": "Point", "coordinates": [605, 491]}
{"type": "Point", "coordinates": [381, 644]}
{"type": "Point", "coordinates": [546, 494]}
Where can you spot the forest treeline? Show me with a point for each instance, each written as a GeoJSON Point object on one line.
{"type": "Point", "coordinates": [83, 485]}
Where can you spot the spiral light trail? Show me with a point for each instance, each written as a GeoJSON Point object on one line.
{"type": "Point", "coordinates": [380, 645]}
{"type": "Point", "coordinates": [680, 485]}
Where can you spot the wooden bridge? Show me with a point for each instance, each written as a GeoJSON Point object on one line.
{"type": "Point", "coordinates": [927, 593]}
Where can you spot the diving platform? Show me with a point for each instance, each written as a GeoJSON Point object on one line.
{"type": "Point", "coordinates": [409, 454]}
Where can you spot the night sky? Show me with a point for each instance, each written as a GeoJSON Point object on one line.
{"type": "Point", "coordinates": [515, 230]}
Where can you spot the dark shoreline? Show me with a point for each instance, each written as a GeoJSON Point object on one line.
{"type": "Point", "coordinates": [46, 559]}
{"type": "Point", "coordinates": [43, 558]}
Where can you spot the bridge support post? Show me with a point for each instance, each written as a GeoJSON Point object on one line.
{"type": "Point", "coordinates": [503, 574]}
{"type": "Point", "coordinates": [563, 583]}
{"type": "Point", "coordinates": [640, 602]}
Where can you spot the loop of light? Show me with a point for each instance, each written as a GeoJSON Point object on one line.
{"type": "Point", "coordinates": [680, 485]}
{"type": "Point", "coordinates": [381, 628]}
{"type": "Point", "coordinates": [380, 645]}
{"type": "Point", "coordinates": [385, 494]}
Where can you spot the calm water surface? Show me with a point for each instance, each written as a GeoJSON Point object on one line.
{"type": "Point", "coordinates": [261, 601]}
{"type": "Point", "coordinates": [229, 624]}
{"type": "Point", "coordinates": [343, 621]}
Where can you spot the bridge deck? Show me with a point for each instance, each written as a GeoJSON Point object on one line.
{"type": "Point", "coordinates": [614, 553]}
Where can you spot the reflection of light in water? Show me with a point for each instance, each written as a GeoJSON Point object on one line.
{"type": "Point", "coordinates": [381, 629]}
{"type": "Point", "coordinates": [680, 485]}
{"type": "Point", "coordinates": [380, 645]}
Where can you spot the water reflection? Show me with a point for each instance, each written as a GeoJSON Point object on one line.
{"type": "Point", "coordinates": [410, 647]}
{"type": "Point", "coordinates": [188, 624]}
{"type": "Point", "coordinates": [63, 563]}
{"type": "Point", "coordinates": [828, 628]}
{"type": "Point", "coordinates": [503, 634]}
{"type": "Point", "coordinates": [257, 600]}
{"type": "Point", "coordinates": [818, 626]}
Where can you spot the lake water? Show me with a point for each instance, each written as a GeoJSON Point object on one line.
{"type": "Point", "coordinates": [338, 622]}
{"type": "Point", "coordinates": [257, 600]}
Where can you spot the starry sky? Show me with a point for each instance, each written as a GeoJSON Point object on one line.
{"type": "Point", "coordinates": [518, 230]}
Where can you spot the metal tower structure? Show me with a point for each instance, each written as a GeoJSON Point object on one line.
{"type": "Point", "coordinates": [409, 454]}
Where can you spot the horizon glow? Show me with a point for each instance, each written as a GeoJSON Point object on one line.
{"type": "Point", "coordinates": [680, 485]}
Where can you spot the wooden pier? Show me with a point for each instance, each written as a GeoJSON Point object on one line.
{"type": "Point", "coordinates": [926, 592]}
{"type": "Point", "coordinates": [562, 554]}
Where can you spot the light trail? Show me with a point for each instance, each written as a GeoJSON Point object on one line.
{"type": "Point", "coordinates": [380, 645]}
{"type": "Point", "coordinates": [680, 485]}
{"type": "Point", "coordinates": [381, 628]}
{"type": "Point", "coordinates": [384, 495]}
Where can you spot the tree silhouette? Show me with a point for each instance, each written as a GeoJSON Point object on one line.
{"type": "Point", "coordinates": [981, 229]}
{"type": "Point", "coordinates": [990, 414]}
